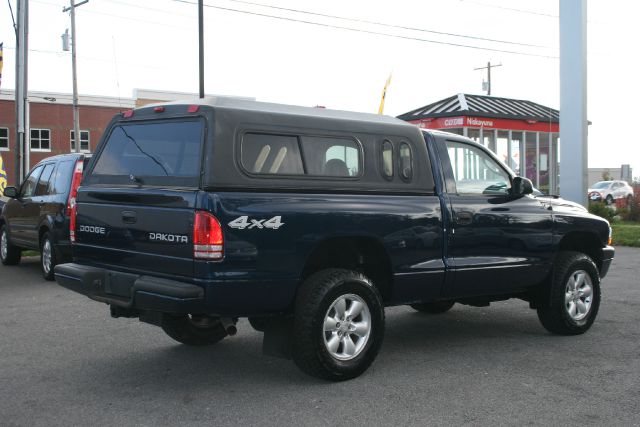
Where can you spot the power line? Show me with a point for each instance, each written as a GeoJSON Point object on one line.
{"type": "Point", "coordinates": [513, 9]}
{"type": "Point", "coordinates": [340, 27]}
{"type": "Point", "coordinates": [384, 24]}
{"type": "Point", "coordinates": [320, 24]}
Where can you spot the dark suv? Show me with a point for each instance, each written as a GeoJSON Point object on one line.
{"type": "Point", "coordinates": [36, 216]}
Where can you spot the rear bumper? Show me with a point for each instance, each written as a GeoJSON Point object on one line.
{"type": "Point", "coordinates": [131, 291]}
{"type": "Point", "coordinates": [608, 253]}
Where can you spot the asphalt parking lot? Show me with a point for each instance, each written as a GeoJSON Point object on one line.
{"type": "Point", "coordinates": [64, 361]}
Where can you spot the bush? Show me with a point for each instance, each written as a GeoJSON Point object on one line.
{"type": "Point", "coordinates": [632, 213]}
{"type": "Point", "coordinates": [600, 209]}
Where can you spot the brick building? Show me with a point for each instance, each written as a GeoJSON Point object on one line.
{"type": "Point", "coordinates": [51, 122]}
{"type": "Point", "coordinates": [51, 125]}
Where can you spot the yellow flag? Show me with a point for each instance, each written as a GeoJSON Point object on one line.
{"type": "Point", "coordinates": [3, 177]}
{"type": "Point", "coordinates": [384, 95]}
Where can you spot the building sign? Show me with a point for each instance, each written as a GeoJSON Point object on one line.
{"type": "Point", "coordinates": [486, 123]}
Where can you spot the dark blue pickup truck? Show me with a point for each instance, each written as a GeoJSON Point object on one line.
{"type": "Point", "coordinates": [309, 222]}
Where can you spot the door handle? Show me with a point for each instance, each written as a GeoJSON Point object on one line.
{"type": "Point", "coordinates": [464, 218]}
{"type": "Point", "coordinates": [129, 217]}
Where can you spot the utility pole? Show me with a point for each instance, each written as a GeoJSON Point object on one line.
{"type": "Point", "coordinates": [201, 46]}
{"type": "Point", "coordinates": [488, 68]}
{"type": "Point", "coordinates": [76, 114]}
{"type": "Point", "coordinates": [21, 90]}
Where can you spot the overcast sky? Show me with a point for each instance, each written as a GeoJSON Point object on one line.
{"type": "Point", "coordinates": [286, 56]}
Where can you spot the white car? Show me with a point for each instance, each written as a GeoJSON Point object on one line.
{"type": "Point", "coordinates": [609, 191]}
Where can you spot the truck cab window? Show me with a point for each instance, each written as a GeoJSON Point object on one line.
{"type": "Point", "coordinates": [475, 172]}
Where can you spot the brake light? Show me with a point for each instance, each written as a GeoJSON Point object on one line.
{"type": "Point", "coordinates": [158, 109]}
{"type": "Point", "coordinates": [71, 201]}
{"type": "Point", "coordinates": [127, 114]}
{"type": "Point", "coordinates": [193, 108]}
{"type": "Point", "coordinates": [207, 237]}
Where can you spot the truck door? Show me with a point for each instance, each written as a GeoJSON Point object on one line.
{"type": "Point", "coordinates": [497, 243]}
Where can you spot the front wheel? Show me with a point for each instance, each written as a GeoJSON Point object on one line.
{"type": "Point", "coordinates": [9, 254]}
{"type": "Point", "coordinates": [575, 295]}
{"type": "Point", "coordinates": [193, 330]}
{"type": "Point", "coordinates": [609, 199]}
{"type": "Point", "coordinates": [338, 324]}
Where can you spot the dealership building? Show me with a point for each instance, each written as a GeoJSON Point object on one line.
{"type": "Point", "coordinates": [523, 134]}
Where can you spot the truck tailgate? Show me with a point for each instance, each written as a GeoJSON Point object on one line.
{"type": "Point", "coordinates": [137, 229]}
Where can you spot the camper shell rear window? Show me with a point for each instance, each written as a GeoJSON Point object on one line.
{"type": "Point", "coordinates": [156, 153]}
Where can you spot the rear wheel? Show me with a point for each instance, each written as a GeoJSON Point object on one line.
{"type": "Point", "coordinates": [575, 295]}
{"type": "Point", "coordinates": [47, 257]}
{"type": "Point", "coordinates": [9, 254]}
{"type": "Point", "coordinates": [437, 307]}
{"type": "Point", "coordinates": [193, 330]}
{"type": "Point", "coordinates": [609, 199]}
{"type": "Point", "coordinates": [339, 324]}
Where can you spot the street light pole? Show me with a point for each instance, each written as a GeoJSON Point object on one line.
{"type": "Point", "coordinates": [22, 55]}
{"type": "Point", "coordinates": [201, 46]}
{"type": "Point", "coordinates": [76, 114]}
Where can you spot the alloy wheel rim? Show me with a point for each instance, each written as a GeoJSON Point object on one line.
{"type": "Point", "coordinates": [347, 327]}
{"type": "Point", "coordinates": [578, 296]}
{"type": "Point", "coordinates": [46, 256]}
{"type": "Point", "coordinates": [3, 245]}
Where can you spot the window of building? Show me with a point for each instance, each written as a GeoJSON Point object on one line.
{"type": "Point", "coordinates": [387, 159]}
{"type": "Point", "coordinates": [84, 141]}
{"type": "Point", "coordinates": [40, 140]}
{"type": "Point", "coordinates": [4, 139]}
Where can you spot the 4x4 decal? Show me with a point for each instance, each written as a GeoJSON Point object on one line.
{"type": "Point", "coordinates": [244, 222]}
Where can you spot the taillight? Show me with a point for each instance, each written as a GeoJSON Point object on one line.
{"type": "Point", "coordinates": [72, 225]}
{"type": "Point", "coordinates": [208, 241]}
{"type": "Point", "coordinates": [71, 201]}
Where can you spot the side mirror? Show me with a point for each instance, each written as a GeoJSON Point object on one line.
{"type": "Point", "coordinates": [11, 192]}
{"type": "Point", "coordinates": [521, 186]}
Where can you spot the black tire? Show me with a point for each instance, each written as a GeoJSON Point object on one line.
{"type": "Point", "coordinates": [47, 257]}
{"type": "Point", "coordinates": [9, 254]}
{"type": "Point", "coordinates": [609, 199]}
{"type": "Point", "coordinates": [193, 330]}
{"type": "Point", "coordinates": [437, 307]}
{"type": "Point", "coordinates": [555, 316]}
{"type": "Point", "coordinates": [315, 299]}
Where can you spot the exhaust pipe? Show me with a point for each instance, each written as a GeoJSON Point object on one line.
{"type": "Point", "coordinates": [229, 325]}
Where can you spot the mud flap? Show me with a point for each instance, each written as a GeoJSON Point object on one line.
{"type": "Point", "coordinates": [278, 337]}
